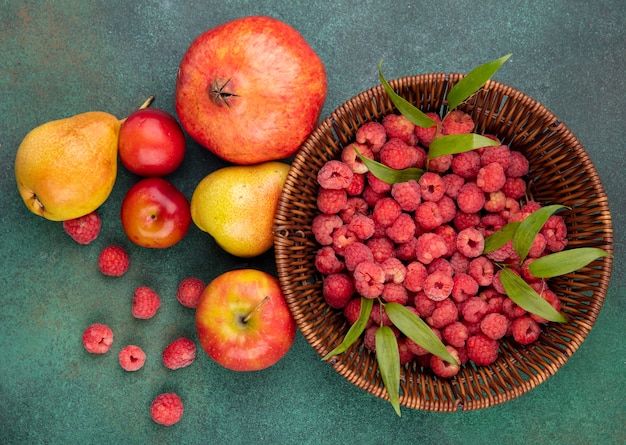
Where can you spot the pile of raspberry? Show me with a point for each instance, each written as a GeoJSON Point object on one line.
{"type": "Point", "coordinates": [420, 242]}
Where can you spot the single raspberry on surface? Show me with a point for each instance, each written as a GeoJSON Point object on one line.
{"type": "Point", "coordinates": [482, 350]}
{"type": "Point", "coordinates": [113, 261]}
{"type": "Point", "coordinates": [438, 285]}
{"type": "Point", "coordinates": [338, 290]}
{"type": "Point", "coordinates": [131, 358]}
{"type": "Point", "coordinates": [327, 261]}
{"type": "Point", "coordinates": [457, 122]}
{"type": "Point", "coordinates": [179, 353]}
{"type": "Point", "coordinates": [97, 338]}
{"type": "Point", "coordinates": [167, 409]}
{"type": "Point", "coordinates": [189, 291]}
{"type": "Point", "coordinates": [373, 134]}
{"type": "Point", "coordinates": [335, 175]}
{"type": "Point", "coordinates": [84, 229]}
{"type": "Point", "coordinates": [525, 330]}
{"type": "Point", "coordinates": [330, 200]}
{"type": "Point", "coordinates": [146, 302]}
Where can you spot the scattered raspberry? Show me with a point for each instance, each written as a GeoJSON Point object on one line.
{"type": "Point", "coordinates": [491, 177]}
{"type": "Point", "coordinates": [373, 134]}
{"type": "Point", "coordinates": [167, 409]}
{"type": "Point", "coordinates": [430, 246]}
{"type": "Point", "coordinates": [432, 186]}
{"type": "Point", "coordinates": [457, 122]}
{"type": "Point", "coordinates": [369, 279]}
{"type": "Point", "coordinates": [444, 369]}
{"type": "Point", "coordinates": [97, 338]}
{"type": "Point", "coordinates": [338, 290]}
{"type": "Point", "coordinates": [323, 226]}
{"type": "Point", "coordinates": [466, 165]}
{"type": "Point", "coordinates": [85, 229]}
{"type": "Point", "coordinates": [402, 230]}
{"type": "Point", "coordinates": [350, 158]}
{"type": "Point", "coordinates": [131, 358]}
{"type": "Point", "coordinates": [398, 155]}
{"type": "Point", "coordinates": [179, 353]}
{"type": "Point", "coordinates": [494, 325]}
{"type": "Point", "coordinates": [113, 261]}
{"type": "Point", "coordinates": [428, 215]}
{"type": "Point", "coordinates": [398, 126]}
{"type": "Point", "coordinates": [331, 201]}
{"type": "Point", "coordinates": [407, 194]}
{"type": "Point", "coordinates": [482, 350]}
{"type": "Point", "coordinates": [471, 198]}
{"type": "Point", "coordinates": [426, 135]}
{"type": "Point", "coordinates": [335, 175]}
{"type": "Point", "coordinates": [525, 330]}
{"type": "Point", "coordinates": [327, 262]}
{"type": "Point", "coordinates": [438, 285]}
{"type": "Point", "coordinates": [146, 302]}
{"type": "Point", "coordinates": [189, 291]}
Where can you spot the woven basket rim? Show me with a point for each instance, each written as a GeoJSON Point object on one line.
{"type": "Point", "coordinates": [514, 373]}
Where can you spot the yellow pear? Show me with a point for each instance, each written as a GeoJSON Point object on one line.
{"type": "Point", "coordinates": [66, 168]}
{"type": "Point", "coordinates": [236, 205]}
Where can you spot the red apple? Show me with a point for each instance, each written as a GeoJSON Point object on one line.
{"type": "Point", "coordinates": [243, 321]}
{"type": "Point", "coordinates": [155, 213]}
{"type": "Point", "coordinates": [250, 90]}
{"type": "Point", "coordinates": [151, 143]}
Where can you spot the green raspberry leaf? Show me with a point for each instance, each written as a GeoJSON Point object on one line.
{"type": "Point", "coordinates": [388, 358]}
{"type": "Point", "coordinates": [355, 330]}
{"type": "Point", "coordinates": [406, 108]}
{"type": "Point", "coordinates": [417, 330]}
{"type": "Point", "coordinates": [458, 143]}
{"type": "Point", "coordinates": [500, 237]}
{"type": "Point", "coordinates": [567, 261]}
{"type": "Point", "coordinates": [525, 297]}
{"type": "Point", "coordinates": [474, 80]}
{"type": "Point", "coordinates": [388, 174]}
{"type": "Point", "coordinates": [529, 228]}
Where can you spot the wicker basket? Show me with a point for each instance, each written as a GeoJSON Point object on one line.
{"type": "Point", "coordinates": [560, 173]}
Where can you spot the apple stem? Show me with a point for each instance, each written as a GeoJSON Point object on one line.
{"type": "Point", "coordinates": [147, 103]}
{"type": "Point", "coordinates": [256, 309]}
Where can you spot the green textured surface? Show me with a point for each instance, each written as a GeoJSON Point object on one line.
{"type": "Point", "coordinates": [60, 58]}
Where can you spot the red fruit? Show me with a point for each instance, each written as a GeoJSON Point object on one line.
{"type": "Point", "coordinates": [189, 291]}
{"type": "Point", "coordinates": [525, 330]}
{"type": "Point", "coordinates": [338, 290]}
{"type": "Point", "coordinates": [132, 358]}
{"type": "Point", "coordinates": [179, 353]}
{"type": "Point", "coordinates": [444, 369]}
{"type": "Point", "coordinates": [113, 261]}
{"type": "Point", "coordinates": [146, 302]}
{"type": "Point", "coordinates": [167, 409]}
{"type": "Point", "coordinates": [482, 350]}
{"type": "Point", "coordinates": [97, 338]}
{"type": "Point", "coordinates": [85, 229]}
{"type": "Point", "coordinates": [335, 175]}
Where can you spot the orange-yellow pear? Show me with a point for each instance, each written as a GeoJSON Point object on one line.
{"type": "Point", "coordinates": [236, 205]}
{"type": "Point", "coordinates": [66, 168]}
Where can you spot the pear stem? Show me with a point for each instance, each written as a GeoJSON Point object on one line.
{"type": "Point", "coordinates": [256, 309]}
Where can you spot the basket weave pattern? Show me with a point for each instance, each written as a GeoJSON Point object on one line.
{"type": "Point", "coordinates": [561, 172]}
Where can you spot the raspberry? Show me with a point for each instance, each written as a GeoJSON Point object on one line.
{"type": "Point", "coordinates": [369, 279]}
{"type": "Point", "coordinates": [464, 220]}
{"type": "Point", "coordinates": [378, 185]}
{"type": "Point", "coordinates": [398, 126]}
{"type": "Point", "coordinates": [555, 232]}
{"type": "Point", "coordinates": [370, 196]}
{"type": "Point", "coordinates": [503, 253]}
{"type": "Point", "coordinates": [494, 325]}
{"type": "Point", "coordinates": [417, 349]}
{"type": "Point", "coordinates": [189, 291]}
{"type": "Point", "coordinates": [498, 153]}
{"type": "Point", "coordinates": [457, 122]}
{"type": "Point", "coordinates": [471, 198]}
{"type": "Point", "coordinates": [445, 312]}
{"type": "Point", "coordinates": [396, 293]}
{"type": "Point", "coordinates": [455, 334]}
{"type": "Point", "coordinates": [430, 246]}
{"type": "Point", "coordinates": [460, 263]}
{"type": "Point", "coordinates": [352, 310]}
{"type": "Point", "coordinates": [453, 184]}
{"type": "Point", "coordinates": [131, 358]}
{"type": "Point", "coordinates": [511, 207]}
{"type": "Point", "coordinates": [395, 270]}
{"type": "Point", "coordinates": [464, 287]}
{"type": "Point", "coordinates": [354, 206]}
{"type": "Point", "coordinates": [432, 186]}
{"type": "Point", "coordinates": [511, 309]}
{"type": "Point", "coordinates": [369, 337]}
{"type": "Point", "coordinates": [530, 207]}
{"type": "Point", "coordinates": [551, 298]}
{"type": "Point", "coordinates": [357, 185]}
{"type": "Point", "coordinates": [322, 227]}
{"type": "Point", "coordinates": [331, 201]}
{"type": "Point", "coordinates": [426, 135]}
{"type": "Point", "coordinates": [362, 226]}
{"type": "Point", "coordinates": [481, 269]}
{"type": "Point", "coordinates": [335, 175]}
{"type": "Point", "coordinates": [167, 409]}
{"type": "Point", "coordinates": [495, 304]}
{"type": "Point", "coordinates": [386, 211]}
{"type": "Point", "coordinates": [356, 253]}
{"type": "Point", "coordinates": [406, 251]}
{"type": "Point", "coordinates": [407, 195]}
{"type": "Point", "coordinates": [495, 202]}
{"type": "Point", "coordinates": [382, 248]}
{"type": "Point", "coordinates": [350, 158]}
{"type": "Point", "coordinates": [440, 164]}
{"type": "Point", "coordinates": [444, 369]}
{"type": "Point", "coordinates": [428, 215]}
{"type": "Point", "coordinates": [474, 309]}
{"type": "Point", "coordinates": [538, 246]}
{"type": "Point", "coordinates": [113, 261]}
{"type": "Point", "coordinates": [85, 229]}
{"type": "Point", "coordinates": [97, 338]}
{"type": "Point", "coordinates": [514, 188]}
{"type": "Point", "coordinates": [441, 265]}
{"type": "Point", "coordinates": [470, 242]}
{"type": "Point", "coordinates": [327, 262]}
{"type": "Point", "coordinates": [447, 209]}
{"type": "Point", "coordinates": [491, 177]}
{"type": "Point", "coordinates": [466, 164]}
{"type": "Point", "coordinates": [179, 353]}
{"type": "Point", "coordinates": [525, 330]}
{"type": "Point", "coordinates": [423, 305]}
{"type": "Point", "coordinates": [398, 155]}
{"type": "Point", "coordinates": [448, 234]}
{"type": "Point", "coordinates": [342, 238]}
{"type": "Point", "coordinates": [482, 350]}
{"type": "Point", "coordinates": [518, 165]}
{"type": "Point", "coordinates": [438, 285]}
{"type": "Point", "coordinates": [490, 223]}
{"type": "Point", "coordinates": [373, 134]}
{"type": "Point", "coordinates": [416, 274]}
{"type": "Point", "coordinates": [405, 353]}
{"type": "Point", "coordinates": [402, 229]}
{"type": "Point", "coordinates": [146, 302]}
{"type": "Point", "coordinates": [379, 316]}
{"type": "Point", "coordinates": [338, 290]}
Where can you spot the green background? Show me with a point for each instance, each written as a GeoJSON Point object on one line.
{"type": "Point", "coordinates": [59, 58]}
